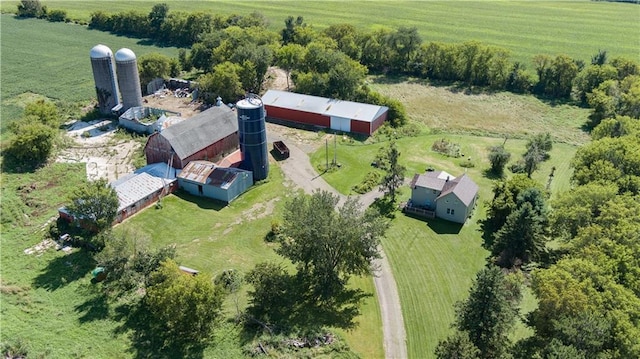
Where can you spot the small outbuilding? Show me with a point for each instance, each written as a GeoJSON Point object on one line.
{"type": "Point", "coordinates": [346, 116]}
{"type": "Point", "coordinates": [204, 178]}
{"type": "Point", "coordinates": [209, 135]}
{"type": "Point", "coordinates": [441, 195]}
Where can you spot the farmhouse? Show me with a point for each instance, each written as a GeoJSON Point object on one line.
{"type": "Point", "coordinates": [208, 135]}
{"type": "Point", "coordinates": [204, 178]}
{"type": "Point", "coordinates": [439, 194]}
{"type": "Point", "coordinates": [337, 115]}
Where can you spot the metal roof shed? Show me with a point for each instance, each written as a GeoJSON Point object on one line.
{"type": "Point", "coordinates": [346, 116]}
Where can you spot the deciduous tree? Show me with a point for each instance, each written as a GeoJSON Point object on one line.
{"type": "Point", "coordinates": [96, 202]}
{"type": "Point", "coordinates": [184, 307]}
{"type": "Point", "coordinates": [329, 246]}
{"type": "Point", "coordinates": [498, 156]}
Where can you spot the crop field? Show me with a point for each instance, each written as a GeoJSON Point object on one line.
{"type": "Point", "coordinates": [526, 28]}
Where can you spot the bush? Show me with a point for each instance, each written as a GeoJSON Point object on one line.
{"type": "Point", "coordinates": [57, 16]}
{"type": "Point", "coordinates": [467, 163]}
{"type": "Point", "coordinates": [518, 167]}
{"type": "Point", "coordinates": [446, 148]}
{"type": "Point", "coordinates": [370, 181]}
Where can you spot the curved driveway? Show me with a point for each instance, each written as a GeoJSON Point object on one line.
{"type": "Point", "coordinates": [299, 170]}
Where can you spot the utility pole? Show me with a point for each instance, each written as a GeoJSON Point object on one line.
{"type": "Point", "coordinates": [335, 150]}
{"type": "Point", "coordinates": [326, 148]}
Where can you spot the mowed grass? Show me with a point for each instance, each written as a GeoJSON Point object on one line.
{"type": "Point", "coordinates": [526, 28]}
{"type": "Point", "coordinates": [48, 300]}
{"type": "Point", "coordinates": [52, 60]}
{"type": "Point", "coordinates": [212, 238]}
{"type": "Point", "coordinates": [435, 261]}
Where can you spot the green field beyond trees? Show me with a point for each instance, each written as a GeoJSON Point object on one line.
{"type": "Point", "coordinates": [527, 28]}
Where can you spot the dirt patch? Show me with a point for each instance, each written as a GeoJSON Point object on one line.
{"type": "Point", "coordinates": [167, 100]}
{"type": "Point", "coordinates": [95, 145]}
{"type": "Point", "coordinates": [276, 79]}
{"type": "Point", "coordinates": [257, 211]}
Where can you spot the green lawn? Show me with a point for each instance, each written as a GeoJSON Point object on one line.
{"type": "Point", "coordinates": [212, 238]}
{"type": "Point", "coordinates": [434, 262]}
{"type": "Point", "coordinates": [49, 303]}
{"type": "Point", "coordinates": [526, 28]}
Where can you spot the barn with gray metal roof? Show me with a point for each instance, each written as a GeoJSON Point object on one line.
{"type": "Point", "coordinates": [345, 116]}
{"type": "Point", "coordinates": [209, 135]}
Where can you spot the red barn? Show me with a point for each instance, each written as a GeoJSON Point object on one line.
{"type": "Point", "coordinates": [209, 135]}
{"type": "Point", "coordinates": [337, 115]}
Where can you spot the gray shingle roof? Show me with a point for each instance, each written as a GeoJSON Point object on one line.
{"type": "Point", "coordinates": [324, 106]}
{"type": "Point", "coordinates": [463, 187]}
{"type": "Point", "coordinates": [201, 130]}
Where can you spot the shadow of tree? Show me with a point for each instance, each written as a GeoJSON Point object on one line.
{"type": "Point", "coordinates": [149, 337]}
{"type": "Point", "coordinates": [63, 270]}
{"type": "Point", "coordinates": [96, 307]}
{"type": "Point", "coordinates": [488, 173]}
{"type": "Point", "coordinates": [294, 309]}
{"type": "Point", "coordinates": [385, 206]}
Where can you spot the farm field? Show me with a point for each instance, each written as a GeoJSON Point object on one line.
{"type": "Point", "coordinates": [502, 114]}
{"type": "Point", "coordinates": [527, 28]}
{"type": "Point", "coordinates": [435, 261]}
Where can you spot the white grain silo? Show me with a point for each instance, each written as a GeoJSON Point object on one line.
{"type": "Point", "coordinates": [128, 79]}
{"type": "Point", "coordinates": [104, 75]}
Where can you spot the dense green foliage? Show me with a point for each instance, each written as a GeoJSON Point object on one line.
{"type": "Point", "coordinates": [185, 307]}
{"type": "Point", "coordinates": [94, 204]}
{"type": "Point", "coordinates": [393, 176]}
{"type": "Point", "coordinates": [329, 246]}
{"type": "Point", "coordinates": [499, 157]}
{"type": "Point", "coordinates": [485, 317]}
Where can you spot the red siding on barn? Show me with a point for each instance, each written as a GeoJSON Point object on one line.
{"type": "Point", "coordinates": [298, 116]}
{"type": "Point", "coordinates": [158, 149]}
{"type": "Point", "coordinates": [215, 152]}
{"type": "Point", "coordinates": [360, 127]}
{"type": "Point", "coordinates": [379, 121]}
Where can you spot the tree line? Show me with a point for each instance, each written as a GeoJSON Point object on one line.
{"type": "Point", "coordinates": [233, 53]}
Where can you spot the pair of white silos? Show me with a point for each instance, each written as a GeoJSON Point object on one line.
{"type": "Point", "coordinates": [115, 79]}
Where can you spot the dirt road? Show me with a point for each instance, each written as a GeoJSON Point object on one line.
{"type": "Point", "coordinates": [298, 169]}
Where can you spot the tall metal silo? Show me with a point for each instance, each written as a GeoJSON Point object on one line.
{"type": "Point", "coordinates": [104, 75]}
{"type": "Point", "coordinates": [253, 136]}
{"type": "Point", "coordinates": [128, 79]}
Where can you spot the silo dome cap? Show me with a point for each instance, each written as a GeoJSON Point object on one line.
{"type": "Point", "coordinates": [125, 54]}
{"type": "Point", "coordinates": [100, 51]}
